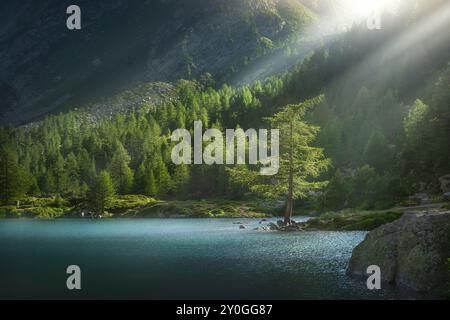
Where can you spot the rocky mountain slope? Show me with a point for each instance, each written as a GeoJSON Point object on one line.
{"type": "Point", "coordinates": [44, 67]}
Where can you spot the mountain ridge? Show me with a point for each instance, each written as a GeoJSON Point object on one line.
{"type": "Point", "coordinates": [47, 68]}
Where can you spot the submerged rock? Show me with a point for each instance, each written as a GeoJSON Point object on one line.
{"type": "Point", "coordinates": [410, 252]}
{"type": "Point", "coordinates": [281, 226]}
{"type": "Point", "coordinates": [272, 226]}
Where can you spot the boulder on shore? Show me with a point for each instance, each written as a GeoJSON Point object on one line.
{"type": "Point", "coordinates": [281, 226]}
{"type": "Point", "coordinates": [411, 251]}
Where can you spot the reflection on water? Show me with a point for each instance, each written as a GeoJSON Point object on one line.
{"type": "Point", "coordinates": [176, 259]}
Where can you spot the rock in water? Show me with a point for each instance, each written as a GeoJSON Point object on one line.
{"type": "Point", "coordinates": [410, 252]}
{"type": "Point", "coordinates": [272, 226]}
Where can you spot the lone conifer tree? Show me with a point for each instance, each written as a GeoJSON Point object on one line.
{"type": "Point", "coordinates": [300, 163]}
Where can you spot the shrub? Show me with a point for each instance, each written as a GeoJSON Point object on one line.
{"type": "Point", "coordinates": [350, 221]}
{"type": "Point", "coordinates": [124, 203]}
{"type": "Point", "coordinates": [47, 212]}
{"type": "Point", "coordinates": [10, 212]}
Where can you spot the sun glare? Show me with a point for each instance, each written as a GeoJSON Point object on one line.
{"type": "Point", "coordinates": [361, 9]}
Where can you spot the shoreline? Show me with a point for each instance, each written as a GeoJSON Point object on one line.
{"type": "Point", "coordinates": [143, 207]}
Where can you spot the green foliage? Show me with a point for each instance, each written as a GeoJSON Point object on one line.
{"type": "Point", "coordinates": [413, 122]}
{"type": "Point", "coordinates": [47, 212]}
{"type": "Point", "coordinates": [360, 185]}
{"type": "Point", "coordinates": [120, 172]}
{"type": "Point", "coordinates": [201, 209]}
{"type": "Point", "coordinates": [180, 180]}
{"type": "Point", "coordinates": [427, 129]}
{"type": "Point", "coordinates": [102, 192]}
{"type": "Point", "coordinates": [13, 178]}
{"type": "Point", "coordinates": [130, 202]}
{"type": "Point", "coordinates": [299, 161]}
{"type": "Point", "coordinates": [336, 193]}
{"type": "Point", "coordinates": [350, 220]}
{"type": "Point", "coordinates": [377, 153]}
{"type": "Point", "coordinates": [10, 212]}
{"type": "Point", "coordinates": [364, 189]}
{"type": "Point", "coordinates": [367, 130]}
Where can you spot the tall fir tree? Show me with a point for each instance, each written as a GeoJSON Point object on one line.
{"type": "Point", "coordinates": [14, 181]}
{"type": "Point", "coordinates": [119, 170]}
{"type": "Point", "coordinates": [102, 192]}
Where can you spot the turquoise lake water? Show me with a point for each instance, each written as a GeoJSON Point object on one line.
{"type": "Point", "coordinates": [177, 259]}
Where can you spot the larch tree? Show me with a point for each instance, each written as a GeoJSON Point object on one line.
{"type": "Point", "coordinates": [102, 192]}
{"type": "Point", "coordinates": [300, 162]}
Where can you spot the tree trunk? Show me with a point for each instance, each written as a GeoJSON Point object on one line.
{"type": "Point", "coordinates": [290, 201]}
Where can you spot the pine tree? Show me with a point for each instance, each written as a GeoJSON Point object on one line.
{"type": "Point", "coordinates": [377, 153]}
{"type": "Point", "coordinates": [140, 180]}
{"type": "Point", "coordinates": [14, 181]}
{"type": "Point", "coordinates": [151, 187]}
{"type": "Point", "coordinates": [119, 170]}
{"type": "Point", "coordinates": [336, 193]}
{"type": "Point", "coordinates": [300, 162]}
{"type": "Point", "coordinates": [73, 175]}
{"type": "Point", "coordinates": [48, 185]}
{"type": "Point", "coordinates": [180, 179]}
{"type": "Point", "coordinates": [360, 185]}
{"type": "Point", "coordinates": [162, 177]}
{"type": "Point", "coordinates": [102, 192]}
{"type": "Point", "coordinates": [59, 174]}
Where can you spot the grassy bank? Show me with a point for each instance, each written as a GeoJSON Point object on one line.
{"type": "Point", "coordinates": [352, 220]}
{"type": "Point", "coordinates": [137, 206]}
{"type": "Point", "coordinates": [217, 208]}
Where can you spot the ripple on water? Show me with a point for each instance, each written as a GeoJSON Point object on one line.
{"type": "Point", "coordinates": [180, 258]}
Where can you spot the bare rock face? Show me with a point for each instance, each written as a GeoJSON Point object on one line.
{"type": "Point", "coordinates": [445, 183]}
{"type": "Point", "coordinates": [410, 252]}
{"type": "Point", "coordinates": [44, 67]}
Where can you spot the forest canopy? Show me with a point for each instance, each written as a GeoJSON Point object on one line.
{"type": "Point", "coordinates": [384, 123]}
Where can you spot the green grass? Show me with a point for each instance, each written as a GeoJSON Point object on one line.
{"type": "Point", "coordinates": [129, 206]}
{"type": "Point", "coordinates": [40, 212]}
{"type": "Point", "coordinates": [10, 212]}
{"type": "Point", "coordinates": [128, 202]}
{"type": "Point", "coordinates": [352, 220]}
{"type": "Point", "coordinates": [47, 212]}
{"type": "Point", "coordinates": [199, 209]}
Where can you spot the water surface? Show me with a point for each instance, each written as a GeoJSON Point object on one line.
{"type": "Point", "coordinates": [176, 259]}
